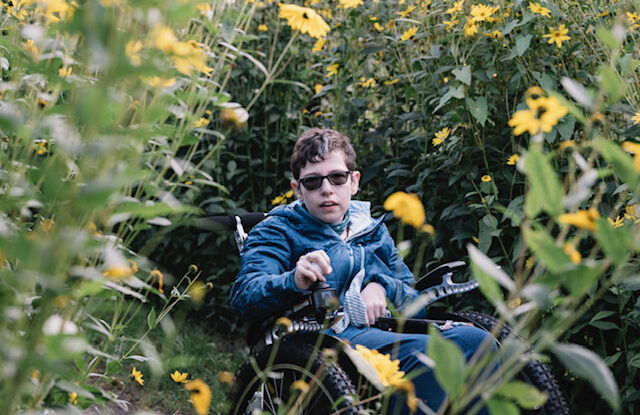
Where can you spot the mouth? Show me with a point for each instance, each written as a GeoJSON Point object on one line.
{"type": "Point", "coordinates": [328, 204]}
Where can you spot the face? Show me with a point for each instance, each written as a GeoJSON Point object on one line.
{"type": "Point", "coordinates": [329, 202]}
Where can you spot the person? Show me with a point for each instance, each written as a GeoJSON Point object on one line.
{"type": "Point", "coordinates": [327, 237]}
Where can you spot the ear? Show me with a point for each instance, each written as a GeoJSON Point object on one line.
{"type": "Point", "coordinates": [296, 190]}
{"type": "Point", "coordinates": [355, 182]}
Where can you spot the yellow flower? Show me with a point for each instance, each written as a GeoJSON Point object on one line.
{"type": "Point", "coordinates": [263, 28]}
{"type": "Point", "coordinates": [131, 50]}
{"type": "Point", "coordinates": [616, 223]}
{"type": "Point", "coordinates": [407, 207]}
{"type": "Point", "coordinates": [392, 81]}
{"type": "Point", "coordinates": [558, 36]}
{"type": "Point", "coordinates": [450, 23]}
{"type": "Point", "coordinates": [441, 136]}
{"type": "Point", "coordinates": [157, 274]}
{"type": "Point", "coordinates": [537, 8]}
{"type": "Point", "coordinates": [179, 377]}
{"type": "Point", "coordinates": [486, 178]}
{"type": "Point", "coordinates": [197, 291]}
{"type": "Point", "coordinates": [300, 385]}
{"type": "Point", "coordinates": [233, 116]}
{"type": "Point", "coordinates": [427, 228]}
{"type": "Point", "coordinates": [566, 144]}
{"type": "Point", "coordinates": [496, 34]}
{"type": "Point", "coordinates": [163, 38]}
{"type": "Point", "coordinates": [289, 194]}
{"type": "Point", "coordinates": [378, 27]}
{"type": "Point", "coordinates": [406, 12]}
{"type": "Point", "coordinates": [64, 71]}
{"type": "Point", "coordinates": [304, 19]}
{"type": "Point", "coordinates": [513, 159]}
{"type": "Point", "coordinates": [631, 213]}
{"type": "Point", "coordinates": [530, 262]}
{"type": "Point", "coordinates": [390, 24]}
{"type": "Point", "coordinates": [225, 377]}
{"type": "Point", "coordinates": [137, 376]}
{"type": "Point", "coordinates": [54, 10]}
{"type": "Point", "coordinates": [470, 28]}
{"type": "Point", "coordinates": [388, 370]}
{"type": "Point", "coordinates": [584, 219]}
{"type": "Point", "coordinates": [367, 83]}
{"type": "Point", "coordinates": [118, 272]}
{"type": "Point", "coordinates": [332, 70]}
{"type": "Point", "coordinates": [158, 82]}
{"type": "Point", "coordinates": [201, 123]}
{"type": "Point", "coordinates": [409, 33]}
{"type": "Point", "coordinates": [480, 12]}
{"type": "Point", "coordinates": [633, 148]}
{"type": "Point", "coordinates": [633, 17]}
{"type": "Point", "coordinates": [73, 398]}
{"type": "Point", "coordinates": [542, 115]}
{"type": "Point", "coordinates": [457, 7]}
{"type": "Point", "coordinates": [573, 253]}
{"type": "Point", "coordinates": [350, 4]}
{"type": "Point", "coordinates": [317, 47]}
{"type": "Point", "coordinates": [200, 395]}
{"type": "Point", "coordinates": [636, 118]}
{"type": "Point", "coordinates": [31, 48]}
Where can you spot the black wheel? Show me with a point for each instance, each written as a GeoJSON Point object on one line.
{"type": "Point", "coordinates": [267, 386]}
{"type": "Point", "coordinates": [536, 373]}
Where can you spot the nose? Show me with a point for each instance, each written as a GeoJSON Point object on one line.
{"type": "Point", "coordinates": [326, 187]}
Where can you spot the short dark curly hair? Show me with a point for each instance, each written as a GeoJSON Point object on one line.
{"type": "Point", "coordinates": [313, 146]}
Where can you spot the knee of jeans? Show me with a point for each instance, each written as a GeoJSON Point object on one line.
{"type": "Point", "coordinates": [477, 338]}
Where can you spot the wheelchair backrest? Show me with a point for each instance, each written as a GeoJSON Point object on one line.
{"type": "Point", "coordinates": [239, 224]}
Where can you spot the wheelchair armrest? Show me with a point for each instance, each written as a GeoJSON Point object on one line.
{"type": "Point", "coordinates": [434, 277]}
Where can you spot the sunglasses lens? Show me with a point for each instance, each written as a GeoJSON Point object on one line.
{"type": "Point", "coordinates": [315, 182]}
{"type": "Point", "coordinates": [312, 182]}
{"type": "Point", "coordinates": [338, 178]}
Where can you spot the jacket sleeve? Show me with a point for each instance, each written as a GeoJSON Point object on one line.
{"type": "Point", "coordinates": [398, 280]}
{"type": "Point", "coordinates": [265, 282]}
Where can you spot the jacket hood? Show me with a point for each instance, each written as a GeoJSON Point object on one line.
{"type": "Point", "coordinates": [301, 220]}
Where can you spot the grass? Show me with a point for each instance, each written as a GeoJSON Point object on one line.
{"type": "Point", "coordinates": [195, 349]}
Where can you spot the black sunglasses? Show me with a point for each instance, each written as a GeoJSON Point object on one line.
{"type": "Point", "coordinates": [315, 182]}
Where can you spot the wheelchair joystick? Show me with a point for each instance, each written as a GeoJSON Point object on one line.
{"type": "Point", "coordinates": [323, 298]}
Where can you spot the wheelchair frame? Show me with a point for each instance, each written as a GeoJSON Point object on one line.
{"type": "Point", "coordinates": [313, 308]}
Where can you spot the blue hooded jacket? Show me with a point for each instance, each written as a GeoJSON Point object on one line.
{"type": "Point", "coordinates": [265, 283]}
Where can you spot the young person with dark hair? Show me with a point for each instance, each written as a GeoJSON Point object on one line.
{"type": "Point", "coordinates": [325, 236]}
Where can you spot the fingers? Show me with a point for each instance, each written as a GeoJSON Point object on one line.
{"type": "Point", "coordinates": [320, 258]}
{"type": "Point", "coordinates": [374, 297]}
{"type": "Point", "coordinates": [312, 267]}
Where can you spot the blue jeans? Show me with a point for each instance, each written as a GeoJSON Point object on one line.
{"type": "Point", "coordinates": [404, 346]}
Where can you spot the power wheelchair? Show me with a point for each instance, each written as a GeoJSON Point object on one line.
{"type": "Point", "coordinates": [289, 346]}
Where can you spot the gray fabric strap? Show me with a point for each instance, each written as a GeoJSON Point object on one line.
{"type": "Point", "coordinates": [355, 311]}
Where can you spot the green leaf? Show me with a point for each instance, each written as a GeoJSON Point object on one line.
{"type": "Point", "coordinates": [488, 275]}
{"type": "Point", "coordinates": [607, 38]}
{"type": "Point", "coordinates": [545, 249]}
{"type": "Point", "coordinates": [451, 93]}
{"type": "Point", "coordinates": [526, 395]}
{"type": "Point", "coordinates": [522, 43]}
{"type": "Point", "coordinates": [501, 407]}
{"type": "Point", "coordinates": [577, 92]}
{"type": "Point", "coordinates": [579, 280]}
{"type": "Point", "coordinates": [588, 365]}
{"type": "Point", "coordinates": [113, 367]}
{"type": "Point", "coordinates": [463, 74]}
{"type": "Point", "coordinates": [610, 81]}
{"type": "Point", "coordinates": [450, 362]}
{"type": "Point", "coordinates": [151, 319]}
{"type": "Point", "coordinates": [621, 162]}
{"type": "Point", "coordinates": [545, 186]}
{"type": "Point", "coordinates": [617, 243]}
{"type": "Point", "coordinates": [478, 109]}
